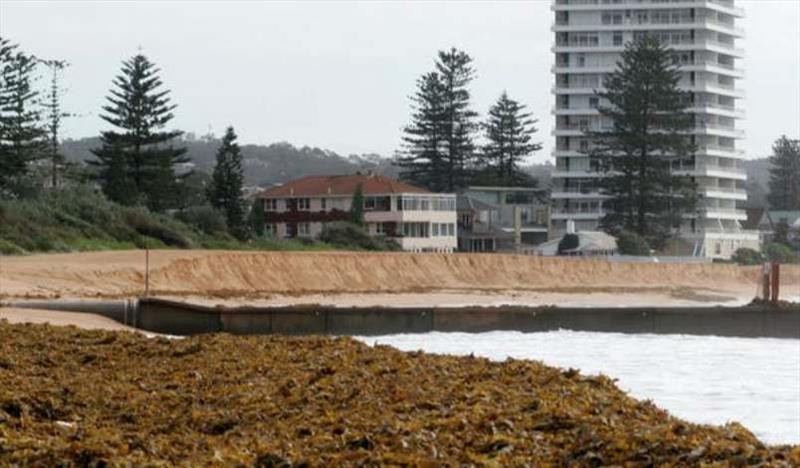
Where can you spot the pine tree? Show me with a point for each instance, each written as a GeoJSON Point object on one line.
{"type": "Point", "coordinates": [509, 131]}
{"type": "Point", "coordinates": [459, 120]}
{"type": "Point", "coordinates": [142, 149]}
{"type": "Point", "coordinates": [21, 132]}
{"type": "Point", "coordinates": [422, 161]}
{"type": "Point", "coordinates": [784, 175]}
{"type": "Point", "coordinates": [649, 128]}
{"type": "Point", "coordinates": [438, 148]}
{"type": "Point", "coordinates": [357, 206]}
{"type": "Point", "coordinates": [225, 191]}
{"type": "Point", "coordinates": [54, 114]}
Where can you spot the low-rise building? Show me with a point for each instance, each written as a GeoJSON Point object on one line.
{"type": "Point", "coordinates": [418, 220]}
{"type": "Point", "coordinates": [490, 218]}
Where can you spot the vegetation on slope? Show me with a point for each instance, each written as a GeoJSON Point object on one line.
{"type": "Point", "coordinates": [80, 220]}
{"type": "Point", "coordinates": [92, 398]}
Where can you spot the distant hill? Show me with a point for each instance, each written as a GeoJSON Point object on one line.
{"type": "Point", "coordinates": [264, 165]}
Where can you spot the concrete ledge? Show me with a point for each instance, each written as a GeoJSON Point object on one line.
{"type": "Point", "coordinates": [184, 319]}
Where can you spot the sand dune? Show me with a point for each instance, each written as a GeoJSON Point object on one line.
{"type": "Point", "coordinates": [241, 275]}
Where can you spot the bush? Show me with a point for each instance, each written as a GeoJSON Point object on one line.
{"type": "Point", "coordinates": [568, 242]}
{"type": "Point", "coordinates": [745, 256]}
{"type": "Point", "coordinates": [352, 236]}
{"type": "Point", "coordinates": [10, 248]}
{"type": "Point", "coordinates": [147, 224]}
{"type": "Point", "coordinates": [204, 218]}
{"type": "Point", "coordinates": [630, 243]}
{"type": "Point", "coordinates": [781, 253]}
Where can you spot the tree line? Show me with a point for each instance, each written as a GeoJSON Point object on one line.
{"type": "Point", "coordinates": [440, 149]}
{"type": "Point", "coordinates": [138, 162]}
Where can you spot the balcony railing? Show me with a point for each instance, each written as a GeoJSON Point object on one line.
{"type": "Point", "coordinates": [587, 211]}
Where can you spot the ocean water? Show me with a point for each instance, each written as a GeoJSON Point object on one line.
{"type": "Point", "coordinates": [703, 379]}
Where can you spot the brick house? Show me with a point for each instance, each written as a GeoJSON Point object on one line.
{"type": "Point", "coordinates": [418, 220]}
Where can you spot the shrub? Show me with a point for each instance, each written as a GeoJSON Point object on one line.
{"type": "Point", "coordinates": [568, 242]}
{"type": "Point", "coordinates": [204, 218]}
{"type": "Point", "coordinates": [780, 253]}
{"type": "Point", "coordinates": [630, 243]}
{"type": "Point", "coordinates": [745, 256]}
{"type": "Point", "coordinates": [147, 224]}
{"type": "Point", "coordinates": [352, 236]}
{"type": "Point", "coordinates": [10, 248]}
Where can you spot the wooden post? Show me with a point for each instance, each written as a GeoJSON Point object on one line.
{"type": "Point", "coordinates": [775, 280]}
{"type": "Point", "coordinates": [146, 272]}
{"type": "Point", "coordinates": [765, 282]}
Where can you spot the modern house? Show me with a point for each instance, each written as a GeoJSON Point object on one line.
{"type": "Point", "coordinates": [419, 220]}
{"type": "Point", "coordinates": [589, 37]}
{"type": "Point", "coordinates": [502, 219]}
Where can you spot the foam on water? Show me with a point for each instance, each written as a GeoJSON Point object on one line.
{"type": "Point", "coordinates": [702, 379]}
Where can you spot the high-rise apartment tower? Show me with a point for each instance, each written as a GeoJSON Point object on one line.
{"type": "Point", "coordinates": [589, 37]}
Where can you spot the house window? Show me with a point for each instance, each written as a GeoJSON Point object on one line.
{"type": "Point", "coordinates": [617, 38]}
{"type": "Point", "coordinates": [435, 227]}
{"type": "Point", "coordinates": [593, 102]}
{"type": "Point", "coordinates": [324, 204]}
{"type": "Point", "coordinates": [303, 229]}
{"type": "Point", "coordinates": [271, 204]}
{"type": "Point", "coordinates": [380, 228]}
{"type": "Point", "coordinates": [303, 204]}
{"type": "Point", "coordinates": [271, 229]}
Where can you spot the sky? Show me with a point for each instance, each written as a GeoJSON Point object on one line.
{"type": "Point", "coordinates": [337, 75]}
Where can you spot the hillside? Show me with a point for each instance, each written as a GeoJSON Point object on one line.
{"type": "Point", "coordinates": [264, 165]}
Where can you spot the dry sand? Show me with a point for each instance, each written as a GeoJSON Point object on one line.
{"type": "Point", "coordinates": [353, 279]}
{"type": "Point", "coordinates": [55, 317]}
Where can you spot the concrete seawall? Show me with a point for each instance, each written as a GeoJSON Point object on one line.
{"type": "Point", "coordinates": [181, 319]}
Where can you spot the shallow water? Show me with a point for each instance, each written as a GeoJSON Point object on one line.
{"type": "Point", "coordinates": [703, 379]}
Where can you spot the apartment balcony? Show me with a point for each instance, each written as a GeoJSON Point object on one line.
{"type": "Point", "coordinates": [718, 130]}
{"type": "Point", "coordinates": [731, 214]}
{"type": "Point", "coordinates": [704, 169]}
{"type": "Point", "coordinates": [716, 109]}
{"type": "Point", "coordinates": [562, 88]}
{"type": "Point", "coordinates": [629, 24]}
{"type": "Point", "coordinates": [726, 193]}
{"type": "Point", "coordinates": [577, 130]}
{"type": "Point", "coordinates": [720, 151]}
{"type": "Point", "coordinates": [575, 174]}
{"type": "Point", "coordinates": [715, 87]}
{"type": "Point", "coordinates": [707, 66]}
{"type": "Point", "coordinates": [576, 194]}
{"type": "Point", "coordinates": [574, 111]}
{"type": "Point", "coordinates": [576, 214]}
{"type": "Point", "coordinates": [723, 6]}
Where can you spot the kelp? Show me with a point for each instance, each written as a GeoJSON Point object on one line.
{"type": "Point", "coordinates": [71, 397]}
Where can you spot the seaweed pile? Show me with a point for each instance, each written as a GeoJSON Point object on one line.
{"type": "Point", "coordinates": [87, 398]}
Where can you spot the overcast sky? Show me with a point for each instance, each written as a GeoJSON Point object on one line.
{"type": "Point", "coordinates": [337, 75]}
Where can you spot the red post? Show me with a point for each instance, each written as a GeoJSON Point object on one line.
{"type": "Point", "coordinates": [776, 281]}
{"type": "Point", "coordinates": [765, 281]}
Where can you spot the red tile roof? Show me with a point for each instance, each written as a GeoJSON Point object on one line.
{"type": "Point", "coordinates": [339, 185]}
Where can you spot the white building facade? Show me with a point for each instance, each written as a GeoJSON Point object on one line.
{"type": "Point", "coordinates": [418, 220]}
{"type": "Point", "coordinates": [589, 37]}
